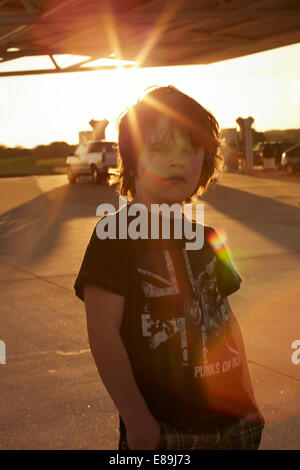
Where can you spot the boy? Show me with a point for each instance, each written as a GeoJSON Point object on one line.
{"type": "Point", "coordinates": [161, 331]}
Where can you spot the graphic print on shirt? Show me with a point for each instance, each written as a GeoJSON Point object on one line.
{"type": "Point", "coordinates": [205, 306]}
{"type": "Point", "coordinates": [159, 282]}
{"type": "Point", "coordinates": [159, 328]}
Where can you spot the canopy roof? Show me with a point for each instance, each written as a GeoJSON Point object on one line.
{"type": "Point", "coordinates": [149, 32]}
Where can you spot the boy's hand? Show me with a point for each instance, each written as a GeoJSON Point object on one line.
{"type": "Point", "coordinates": [143, 435]}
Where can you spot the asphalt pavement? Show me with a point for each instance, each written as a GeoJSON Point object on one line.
{"type": "Point", "coordinates": [51, 393]}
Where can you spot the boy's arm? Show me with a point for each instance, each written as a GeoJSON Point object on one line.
{"type": "Point", "coordinates": [104, 311]}
{"type": "Point", "coordinates": [238, 339]}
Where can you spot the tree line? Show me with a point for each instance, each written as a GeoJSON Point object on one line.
{"type": "Point", "coordinates": [63, 149]}
{"type": "Point", "coordinates": [53, 150]}
{"type": "Point", "coordinates": [287, 135]}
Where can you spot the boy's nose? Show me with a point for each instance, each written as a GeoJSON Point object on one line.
{"type": "Point", "coordinates": [177, 159]}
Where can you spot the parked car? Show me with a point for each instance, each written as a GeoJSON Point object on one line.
{"type": "Point", "coordinates": [268, 150]}
{"type": "Point", "coordinates": [279, 148]}
{"type": "Point", "coordinates": [290, 160]}
{"type": "Point", "coordinates": [93, 158]}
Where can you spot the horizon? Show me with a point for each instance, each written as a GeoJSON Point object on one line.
{"type": "Point", "coordinates": [106, 140]}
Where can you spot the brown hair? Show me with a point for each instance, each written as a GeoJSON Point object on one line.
{"type": "Point", "coordinates": [135, 123]}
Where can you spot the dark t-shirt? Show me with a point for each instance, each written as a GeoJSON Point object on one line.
{"type": "Point", "coordinates": [175, 322]}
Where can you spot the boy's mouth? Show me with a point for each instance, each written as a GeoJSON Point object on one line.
{"type": "Point", "coordinates": [175, 178]}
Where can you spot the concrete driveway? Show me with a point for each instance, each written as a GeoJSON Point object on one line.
{"type": "Point", "coordinates": [52, 396]}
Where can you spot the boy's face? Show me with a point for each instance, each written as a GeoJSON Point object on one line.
{"type": "Point", "coordinates": [168, 169]}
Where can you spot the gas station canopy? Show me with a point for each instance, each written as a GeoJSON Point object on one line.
{"type": "Point", "coordinates": [146, 33]}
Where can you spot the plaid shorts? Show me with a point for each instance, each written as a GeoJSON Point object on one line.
{"type": "Point", "coordinates": [243, 434]}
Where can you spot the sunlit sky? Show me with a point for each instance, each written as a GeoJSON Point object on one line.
{"type": "Point", "coordinates": [40, 109]}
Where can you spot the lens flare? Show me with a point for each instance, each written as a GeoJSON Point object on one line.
{"type": "Point", "coordinates": [168, 11]}
{"type": "Point", "coordinates": [111, 31]}
{"type": "Point", "coordinates": [218, 242]}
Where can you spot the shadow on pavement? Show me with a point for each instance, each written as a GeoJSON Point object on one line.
{"type": "Point", "coordinates": [30, 231]}
{"type": "Point", "coordinates": [261, 214]}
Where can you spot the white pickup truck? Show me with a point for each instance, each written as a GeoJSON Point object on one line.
{"type": "Point", "coordinates": [93, 158]}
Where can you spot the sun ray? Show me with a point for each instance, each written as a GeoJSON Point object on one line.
{"type": "Point", "coordinates": [169, 10]}
{"type": "Point", "coordinates": [135, 130]}
{"type": "Point", "coordinates": [182, 120]}
{"type": "Point", "coordinates": [111, 31]}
